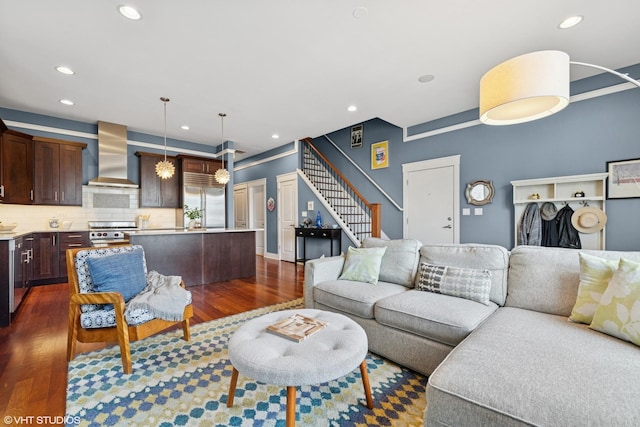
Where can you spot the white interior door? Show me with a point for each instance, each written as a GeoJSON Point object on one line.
{"type": "Point", "coordinates": [240, 206]}
{"type": "Point", "coordinates": [257, 206]}
{"type": "Point", "coordinates": [431, 200]}
{"type": "Point", "coordinates": [287, 206]}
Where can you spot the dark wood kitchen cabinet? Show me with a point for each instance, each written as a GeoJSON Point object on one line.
{"type": "Point", "coordinates": [70, 240]}
{"type": "Point", "coordinates": [156, 192]}
{"type": "Point", "coordinates": [16, 167]}
{"type": "Point", "coordinates": [57, 172]}
{"type": "Point", "coordinates": [199, 165]}
{"type": "Point", "coordinates": [49, 253]}
{"type": "Point", "coordinates": [45, 256]}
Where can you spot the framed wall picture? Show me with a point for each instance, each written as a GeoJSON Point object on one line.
{"type": "Point", "coordinates": [356, 136]}
{"type": "Point", "coordinates": [380, 155]}
{"type": "Point", "coordinates": [624, 179]}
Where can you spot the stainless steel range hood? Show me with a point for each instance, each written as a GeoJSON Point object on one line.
{"type": "Point", "coordinates": [112, 157]}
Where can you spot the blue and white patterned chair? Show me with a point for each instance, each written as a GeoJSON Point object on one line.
{"type": "Point", "coordinates": [100, 316]}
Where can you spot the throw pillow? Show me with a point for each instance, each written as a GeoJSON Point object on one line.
{"type": "Point", "coordinates": [400, 261]}
{"type": "Point", "coordinates": [123, 272]}
{"type": "Point", "coordinates": [362, 264]}
{"type": "Point", "coordinates": [595, 274]}
{"type": "Point", "coordinates": [459, 282]}
{"type": "Point", "coordinates": [618, 314]}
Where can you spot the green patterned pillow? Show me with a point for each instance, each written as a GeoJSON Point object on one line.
{"type": "Point", "coordinates": [595, 274]}
{"type": "Point", "coordinates": [363, 264]}
{"type": "Point", "coordinates": [618, 314]}
{"type": "Point", "coordinates": [459, 282]}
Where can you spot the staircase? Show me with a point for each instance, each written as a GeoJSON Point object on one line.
{"type": "Point", "coordinates": [361, 218]}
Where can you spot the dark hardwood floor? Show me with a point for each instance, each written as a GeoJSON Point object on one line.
{"type": "Point", "coordinates": [33, 364]}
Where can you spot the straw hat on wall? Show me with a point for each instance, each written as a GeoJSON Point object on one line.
{"type": "Point", "coordinates": [588, 220]}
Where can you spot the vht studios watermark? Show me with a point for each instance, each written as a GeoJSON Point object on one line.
{"type": "Point", "coordinates": [46, 420]}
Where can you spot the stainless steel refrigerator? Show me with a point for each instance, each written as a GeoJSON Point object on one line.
{"type": "Point", "coordinates": [203, 191]}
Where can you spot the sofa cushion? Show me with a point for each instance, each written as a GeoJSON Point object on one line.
{"type": "Point", "coordinates": [400, 261]}
{"type": "Point", "coordinates": [491, 257]}
{"type": "Point", "coordinates": [357, 298]}
{"type": "Point", "coordinates": [107, 318]}
{"type": "Point", "coordinates": [522, 367]}
{"type": "Point", "coordinates": [362, 264]}
{"type": "Point", "coordinates": [595, 273]}
{"type": "Point", "coordinates": [619, 311]}
{"type": "Point", "coordinates": [468, 283]}
{"type": "Point", "coordinates": [441, 318]}
{"type": "Point", "coordinates": [546, 279]}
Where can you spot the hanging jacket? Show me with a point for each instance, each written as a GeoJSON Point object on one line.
{"type": "Point", "coordinates": [530, 226]}
{"type": "Point", "coordinates": [550, 236]}
{"type": "Point", "coordinates": [568, 236]}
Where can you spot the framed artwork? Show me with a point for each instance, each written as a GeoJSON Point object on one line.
{"type": "Point", "coordinates": [271, 204]}
{"type": "Point", "coordinates": [380, 155]}
{"type": "Point", "coordinates": [624, 179]}
{"type": "Point", "coordinates": [356, 136]}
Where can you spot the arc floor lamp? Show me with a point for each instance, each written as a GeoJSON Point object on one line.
{"type": "Point", "coordinates": [529, 87]}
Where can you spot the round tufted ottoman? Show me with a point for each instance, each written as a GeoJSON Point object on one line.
{"type": "Point", "coordinates": [331, 353]}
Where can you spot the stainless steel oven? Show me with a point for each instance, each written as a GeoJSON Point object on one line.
{"type": "Point", "coordinates": [110, 233]}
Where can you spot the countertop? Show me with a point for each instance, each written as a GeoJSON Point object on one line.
{"type": "Point", "coordinates": [14, 235]}
{"type": "Point", "coordinates": [151, 231]}
{"type": "Point", "coordinates": [141, 232]}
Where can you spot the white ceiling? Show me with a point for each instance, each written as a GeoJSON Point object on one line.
{"type": "Point", "coordinates": [289, 67]}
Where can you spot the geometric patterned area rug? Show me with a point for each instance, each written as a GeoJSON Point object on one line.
{"type": "Point", "coordinates": [180, 383]}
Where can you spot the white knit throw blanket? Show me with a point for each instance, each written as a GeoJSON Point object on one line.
{"type": "Point", "coordinates": [163, 297]}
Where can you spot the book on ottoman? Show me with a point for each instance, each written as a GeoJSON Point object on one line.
{"type": "Point", "coordinates": [297, 327]}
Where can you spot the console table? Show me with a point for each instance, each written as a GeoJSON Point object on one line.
{"type": "Point", "coordinates": [331, 234]}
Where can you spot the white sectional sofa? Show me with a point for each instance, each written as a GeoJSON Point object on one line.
{"type": "Point", "coordinates": [517, 360]}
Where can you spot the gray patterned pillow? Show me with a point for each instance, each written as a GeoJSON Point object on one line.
{"type": "Point", "coordinates": [459, 282]}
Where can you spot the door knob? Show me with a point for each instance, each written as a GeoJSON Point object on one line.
{"type": "Point", "coordinates": [447, 226]}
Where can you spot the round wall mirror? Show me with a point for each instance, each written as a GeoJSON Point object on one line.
{"type": "Point", "coordinates": [479, 192]}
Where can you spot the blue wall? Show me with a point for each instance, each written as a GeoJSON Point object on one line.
{"type": "Point", "coordinates": [578, 140]}
{"type": "Point", "coordinates": [270, 171]}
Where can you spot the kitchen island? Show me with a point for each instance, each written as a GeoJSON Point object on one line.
{"type": "Point", "coordinates": [200, 256]}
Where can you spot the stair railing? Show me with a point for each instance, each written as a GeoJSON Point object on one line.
{"type": "Point", "coordinates": [362, 218]}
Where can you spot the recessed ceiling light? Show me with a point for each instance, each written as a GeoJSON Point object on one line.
{"type": "Point", "coordinates": [129, 12]}
{"type": "Point", "coordinates": [569, 22]}
{"type": "Point", "coordinates": [65, 70]}
{"type": "Point", "coordinates": [352, 108]}
{"type": "Point", "coordinates": [426, 78]}
{"type": "Point", "coordinates": [360, 12]}
{"type": "Point", "coordinates": [67, 102]}
{"type": "Point", "coordinates": [185, 127]}
{"type": "Point", "coordinates": [275, 136]}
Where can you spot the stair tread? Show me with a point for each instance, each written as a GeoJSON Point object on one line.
{"type": "Point", "coordinates": [336, 194]}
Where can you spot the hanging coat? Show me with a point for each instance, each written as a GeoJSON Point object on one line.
{"type": "Point", "coordinates": [568, 236]}
{"type": "Point", "coordinates": [530, 226]}
{"type": "Point", "coordinates": [550, 236]}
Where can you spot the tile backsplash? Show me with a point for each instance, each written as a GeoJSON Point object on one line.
{"type": "Point", "coordinates": [122, 202]}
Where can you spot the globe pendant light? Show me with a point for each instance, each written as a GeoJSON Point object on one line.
{"type": "Point", "coordinates": [164, 168]}
{"type": "Point", "coordinates": [222, 175]}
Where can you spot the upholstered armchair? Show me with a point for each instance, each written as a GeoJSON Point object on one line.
{"type": "Point", "coordinates": [108, 287]}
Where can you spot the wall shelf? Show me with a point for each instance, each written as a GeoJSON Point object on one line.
{"type": "Point", "coordinates": [560, 191]}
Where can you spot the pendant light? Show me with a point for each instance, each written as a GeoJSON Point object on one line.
{"type": "Point", "coordinates": [222, 175]}
{"type": "Point", "coordinates": [164, 168]}
{"type": "Point", "coordinates": [530, 87]}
